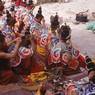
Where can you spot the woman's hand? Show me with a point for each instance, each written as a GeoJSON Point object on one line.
{"type": "Point", "coordinates": [18, 40]}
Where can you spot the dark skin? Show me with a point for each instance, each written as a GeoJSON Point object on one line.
{"type": "Point", "coordinates": [12, 54]}
{"type": "Point", "coordinates": [91, 74]}
{"type": "Point", "coordinates": [39, 20]}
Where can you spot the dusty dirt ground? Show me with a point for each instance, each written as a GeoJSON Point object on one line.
{"type": "Point", "coordinates": [13, 89]}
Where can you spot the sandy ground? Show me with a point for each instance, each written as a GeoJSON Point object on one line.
{"type": "Point", "coordinates": [85, 41]}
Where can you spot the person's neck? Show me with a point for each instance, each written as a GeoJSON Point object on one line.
{"type": "Point", "coordinates": [37, 21]}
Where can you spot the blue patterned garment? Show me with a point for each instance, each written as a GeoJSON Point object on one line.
{"type": "Point", "coordinates": [89, 90]}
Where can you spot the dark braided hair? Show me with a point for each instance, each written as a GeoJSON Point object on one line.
{"type": "Point", "coordinates": [21, 26]}
{"type": "Point", "coordinates": [40, 10]}
{"type": "Point", "coordinates": [65, 32]}
{"type": "Point", "coordinates": [54, 22]}
{"type": "Point", "coordinates": [8, 14]}
{"type": "Point", "coordinates": [39, 14]}
{"type": "Point", "coordinates": [30, 2]}
{"type": "Point", "coordinates": [12, 8]}
{"type": "Point", "coordinates": [1, 7]}
{"type": "Point", "coordinates": [10, 20]}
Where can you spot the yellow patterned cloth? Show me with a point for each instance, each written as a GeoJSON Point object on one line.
{"type": "Point", "coordinates": [39, 76]}
{"type": "Point", "coordinates": [41, 50]}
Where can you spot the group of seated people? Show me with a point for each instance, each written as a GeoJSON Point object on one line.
{"type": "Point", "coordinates": [27, 45]}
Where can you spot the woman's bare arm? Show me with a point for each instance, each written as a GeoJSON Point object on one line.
{"type": "Point", "coordinates": [13, 53]}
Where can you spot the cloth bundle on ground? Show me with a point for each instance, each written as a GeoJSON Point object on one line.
{"type": "Point", "coordinates": [91, 26]}
{"type": "Point", "coordinates": [81, 18]}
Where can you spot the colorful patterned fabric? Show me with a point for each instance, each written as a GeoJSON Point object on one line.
{"type": "Point", "coordinates": [89, 90]}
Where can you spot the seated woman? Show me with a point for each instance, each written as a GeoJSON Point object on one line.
{"type": "Point", "coordinates": [22, 62]}
{"type": "Point", "coordinates": [6, 74]}
{"type": "Point", "coordinates": [70, 56]}
{"type": "Point", "coordinates": [40, 35]}
{"type": "Point", "coordinates": [65, 55]}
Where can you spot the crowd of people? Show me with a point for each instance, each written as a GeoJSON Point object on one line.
{"type": "Point", "coordinates": [28, 45]}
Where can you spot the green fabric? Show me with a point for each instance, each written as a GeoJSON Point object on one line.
{"type": "Point", "coordinates": [93, 29]}
{"type": "Point", "coordinates": [91, 26]}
